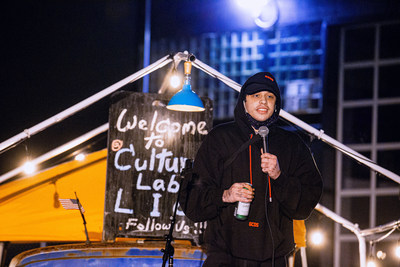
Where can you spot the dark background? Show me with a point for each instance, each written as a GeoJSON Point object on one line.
{"type": "Point", "coordinates": [56, 54]}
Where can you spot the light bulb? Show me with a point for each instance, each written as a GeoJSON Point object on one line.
{"type": "Point", "coordinates": [397, 250]}
{"type": "Point", "coordinates": [175, 81]}
{"type": "Point", "coordinates": [29, 167]}
{"type": "Point", "coordinates": [80, 157]}
{"type": "Point", "coordinates": [371, 263]}
{"type": "Point", "coordinates": [317, 238]}
{"type": "Point", "coordinates": [381, 255]}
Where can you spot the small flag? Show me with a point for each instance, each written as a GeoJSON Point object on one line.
{"type": "Point", "coordinates": [70, 204]}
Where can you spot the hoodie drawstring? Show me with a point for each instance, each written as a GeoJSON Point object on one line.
{"type": "Point", "coordinates": [251, 173]}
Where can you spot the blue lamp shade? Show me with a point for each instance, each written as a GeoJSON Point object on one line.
{"type": "Point", "coordinates": [186, 100]}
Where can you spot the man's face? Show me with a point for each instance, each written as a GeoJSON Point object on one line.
{"type": "Point", "coordinates": [260, 105]}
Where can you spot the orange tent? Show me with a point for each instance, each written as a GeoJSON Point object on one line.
{"type": "Point", "coordinates": [31, 212]}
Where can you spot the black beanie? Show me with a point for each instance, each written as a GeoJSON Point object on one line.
{"type": "Point", "coordinates": [262, 81]}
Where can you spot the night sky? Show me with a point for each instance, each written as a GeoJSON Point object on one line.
{"type": "Point", "coordinates": [57, 54]}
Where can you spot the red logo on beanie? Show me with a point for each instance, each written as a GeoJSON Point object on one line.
{"type": "Point", "coordinates": [266, 76]}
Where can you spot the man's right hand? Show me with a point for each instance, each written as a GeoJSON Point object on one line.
{"type": "Point", "coordinates": [238, 192]}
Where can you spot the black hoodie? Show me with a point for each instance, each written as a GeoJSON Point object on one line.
{"type": "Point", "coordinates": [294, 194]}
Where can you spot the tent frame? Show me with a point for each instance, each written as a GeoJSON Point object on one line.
{"type": "Point", "coordinates": [180, 56]}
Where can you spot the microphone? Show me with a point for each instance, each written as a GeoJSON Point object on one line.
{"type": "Point", "coordinates": [263, 131]}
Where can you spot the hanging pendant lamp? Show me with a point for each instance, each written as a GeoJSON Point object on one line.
{"type": "Point", "coordinates": [186, 99]}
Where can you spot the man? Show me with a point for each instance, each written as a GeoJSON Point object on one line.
{"type": "Point", "coordinates": [286, 184]}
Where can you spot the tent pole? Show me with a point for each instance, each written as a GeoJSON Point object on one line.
{"type": "Point", "coordinates": [2, 245]}
{"type": "Point", "coordinates": [57, 151]}
{"type": "Point", "coordinates": [146, 45]}
{"type": "Point", "coordinates": [350, 226]}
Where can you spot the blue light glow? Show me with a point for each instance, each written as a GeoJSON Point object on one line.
{"type": "Point", "coordinates": [253, 7]}
{"type": "Point", "coordinates": [265, 13]}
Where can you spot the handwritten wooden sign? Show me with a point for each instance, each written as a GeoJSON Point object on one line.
{"type": "Point", "coordinates": [147, 149]}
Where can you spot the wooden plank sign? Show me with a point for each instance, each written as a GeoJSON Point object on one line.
{"type": "Point", "coordinates": [147, 149]}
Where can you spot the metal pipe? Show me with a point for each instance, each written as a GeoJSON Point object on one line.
{"type": "Point", "coordinates": [57, 151]}
{"type": "Point", "coordinates": [381, 228]}
{"type": "Point", "coordinates": [2, 245]}
{"type": "Point", "coordinates": [362, 250]}
{"type": "Point", "coordinates": [303, 257]}
{"type": "Point", "coordinates": [348, 225]}
{"type": "Point", "coordinates": [146, 43]}
{"type": "Point", "coordinates": [330, 214]}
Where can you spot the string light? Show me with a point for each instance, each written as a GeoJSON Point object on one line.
{"type": "Point", "coordinates": [397, 249]}
{"type": "Point", "coordinates": [317, 238]}
{"type": "Point", "coordinates": [381, 255]}
{"type": "Point", "coordinates": [29, 167]}
{"type": "Point", "coordinates": [371, 263]}
{"type": "Point", "coordinates": [80, 157]}
{"type": "Point", "coordinates": [175, 80]}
